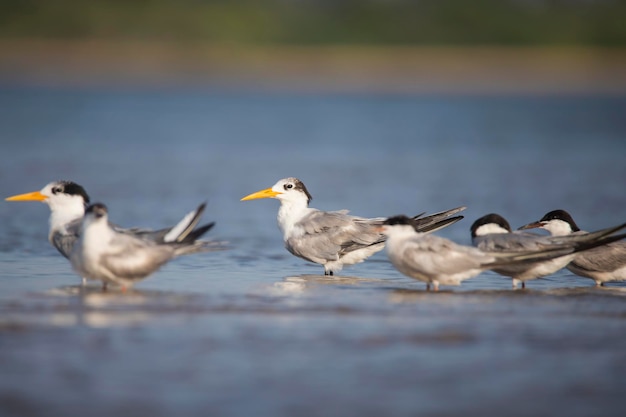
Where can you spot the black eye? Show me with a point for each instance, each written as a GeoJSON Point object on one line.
{"type": "Point", "coordinates": [56, 190]}
{"type": "Point", "coordinates": [288, 186]}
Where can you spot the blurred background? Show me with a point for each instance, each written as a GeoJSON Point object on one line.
{"type": "Point", "coordinates": [451, 46]}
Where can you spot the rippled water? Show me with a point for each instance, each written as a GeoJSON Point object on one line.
{"type": "Point", "coordinates": [254, 330]}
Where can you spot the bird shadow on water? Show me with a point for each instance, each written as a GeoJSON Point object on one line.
{"type": "Point", "coordinates": [300, 283]}
{"type": "Point", "coordinates": [401, 295]}
{"type": "Point", "coordinates": [91, 306]}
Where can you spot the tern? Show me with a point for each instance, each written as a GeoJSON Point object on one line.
{"type": "Point", "coordinates": [105, 254]}
{"type": "Point", "coordinates": [492, 233]}
{"type": "Point", "coordinates": [602, 264]}
{"type": "Point", "coordinates": [436, 260]}
{"type": "Point", "coordinates": [67, 201]}
{"type": "Point", "coordinates": [333, 238]}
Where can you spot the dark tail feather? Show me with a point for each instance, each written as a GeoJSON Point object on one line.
{"type": "Point", "coordinates": [197, 233]}
{"type": "Point", "coordinates": [422, 223]}
{"type": "Point", "coordinates": [192, 224]}
{"type": "Point", "coordinates": [438, 225]}
{"type": "Point", "coordinates": [417, 216]}
{"type": "Point", "coordinates": [185, 226]}
{"type": "Point", "coordinates": [602, 232]}
{"type": "Point", "coordinates": [598, 242]}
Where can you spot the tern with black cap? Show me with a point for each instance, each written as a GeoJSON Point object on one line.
{"type": "Point", "coordinates": [602, 264]}
{"type": "Point", "coordinates": [333, 238]}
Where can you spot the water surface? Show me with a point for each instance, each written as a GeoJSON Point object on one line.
{"type": "Point", "coordinates": [256, 331]}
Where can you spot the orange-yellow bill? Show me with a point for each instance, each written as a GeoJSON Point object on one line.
{"type": "Point", "coordinates": [34, 196]}
{"type": "Point", "coordinates": [267, 193]}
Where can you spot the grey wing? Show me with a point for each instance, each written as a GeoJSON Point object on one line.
{"type": "Point", "coordinates": [603, 258]}
{"type": "Point", "coordinates": [64, 243]}
{"type": "Point", "coordinates": [440, 256]}
{"type": "Point", "coordinates": [148, 234]}
{"type": "Point", "coordinates": [134, 258]}
{"type": "Point", "coordinates": [182, 231]}
{"type": "Point", "coordinates": [329, 235]}
{"type": "Point", "coordinates": [511, 242]}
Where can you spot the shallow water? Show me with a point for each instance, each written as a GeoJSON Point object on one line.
{"type": "Point", "coordinates": [254, 330]}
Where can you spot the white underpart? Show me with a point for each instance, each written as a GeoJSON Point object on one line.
{"type": "Point", "coordinates": [353, 257]}
{"type": "Point", "coordinates": [293, 207]}
{"type": "Point", "coordinates": [93, 243]}
{"type": "Point", "coordinates": [600, 277]}
{"type": "Point", "coordinates": [490, 228]}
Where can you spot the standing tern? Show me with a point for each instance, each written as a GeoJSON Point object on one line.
{"type": "Point", "coordinates": [492, 233]}
{"type": "Point", "coordinates": [333, 238]}
{"type": "Point", "coordinates": [67, 201]}
{"type": "Point", "coordinates": [602, 264]}
{"type": "Point", "coordinates": [436, 260]}
{"type": "Point", "coordinates": [105, 254]}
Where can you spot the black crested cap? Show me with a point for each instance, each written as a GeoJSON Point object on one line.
{"type": "Point", "coordinates": [488, 219]}
{"type": "Point", "coordinates": [400, 219]}
{"type": "Point", "coordinates": [98, 209]}
{"type": "Point", "coordinates": [561, 215]}
{"type": "Point", "coordinates": [298, 185]}
{"type": "Point", "coordinates": [71, 188]}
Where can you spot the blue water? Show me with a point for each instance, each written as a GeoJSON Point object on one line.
{"type": "Point", "coordinates": [256, 331]}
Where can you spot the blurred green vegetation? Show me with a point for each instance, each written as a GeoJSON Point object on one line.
{"type": "Point", "coordinates": [431, 22]}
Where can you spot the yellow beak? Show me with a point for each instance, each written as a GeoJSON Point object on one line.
{"type": "Point", "coordinates": [34, 196]}
{"type": "Point", "coordinates": [267, 193]}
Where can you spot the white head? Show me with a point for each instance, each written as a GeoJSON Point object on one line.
{"type": "Point", "coordinates": [66, 199]}
{"type": "Point", "coordinates": [557, 222]}
{"type": "Point", "coordinates": [489, 224]}
{"type": "Point", "coordinates": [290, 190]}
{"type": "Point", "coordinates": [58, 195]}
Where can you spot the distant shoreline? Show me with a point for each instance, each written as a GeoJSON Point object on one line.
{"type": "Point", "coordinates": [308, 69]}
